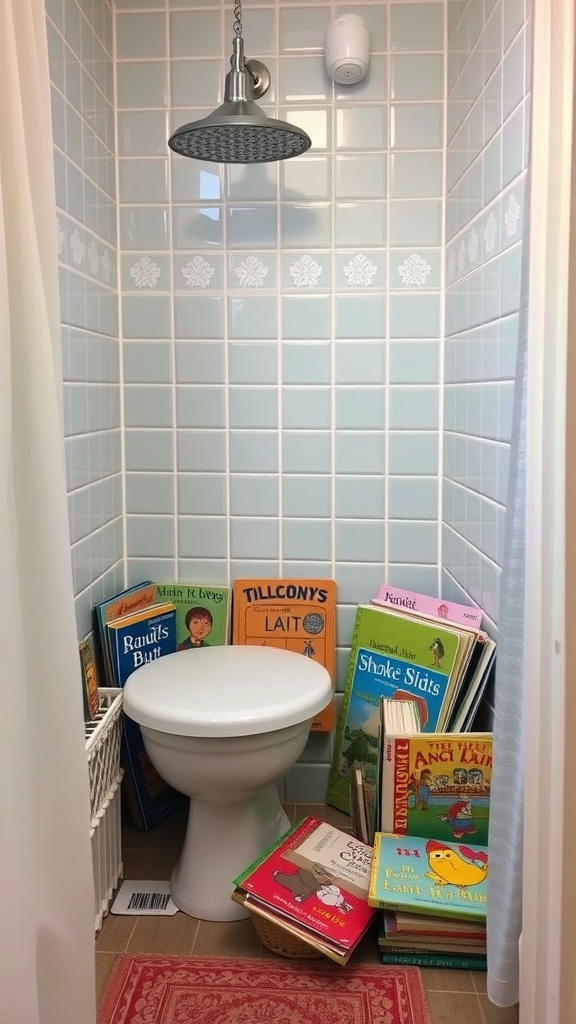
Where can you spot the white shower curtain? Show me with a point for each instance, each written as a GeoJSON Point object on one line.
{"type": "Point", "coordinates": [47, 903]}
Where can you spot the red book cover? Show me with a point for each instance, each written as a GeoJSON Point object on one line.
{"type": "Point", "coordinates": [308, 879]}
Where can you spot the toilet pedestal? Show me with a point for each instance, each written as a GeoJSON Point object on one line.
{"type": "Point", "coordinates": [221, 840]}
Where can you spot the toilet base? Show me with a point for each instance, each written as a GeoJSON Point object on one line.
{"type": "Point", "coordinates": [221, 841]}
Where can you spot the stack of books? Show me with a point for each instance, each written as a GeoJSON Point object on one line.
{"type": "Point", "coordinates": [432, 901]}
{"type": "Point", "coordinates": [406, 647]}
{"type": "Point", "coordinates": [311, 886]}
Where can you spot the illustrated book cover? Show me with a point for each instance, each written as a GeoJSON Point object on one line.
{"type": "Point", "coordinates": [203, 612]}
{"type": "Point", "coordinates": [127, 602]}
{"type": "Point", "coordinates": [313, 881]}
{"type": "Point", "coordinates": [437, 785]}
{"type": "Point", "coordinates": [89, 675]}
{"type": "Point", "coordinates": [391, 656]}
{"type": "Point", "coordinates": [426, 876]}
{"type": "Point", "coordinates": [136, 640]}
{"type": "Point", "coordinates": [293, 614]}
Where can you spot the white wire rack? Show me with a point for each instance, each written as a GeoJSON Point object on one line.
{"type": "Point", "coordinates": [103, 753]}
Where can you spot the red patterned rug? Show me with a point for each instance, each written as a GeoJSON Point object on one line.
{"type": "Point", "coordinates": [147, 989]}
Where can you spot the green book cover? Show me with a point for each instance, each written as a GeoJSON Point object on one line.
{"type": "Point", "coordinates": [426, 876]}
{"type": "Point", "coordinates": [390, 656]}
{"type": "Point", "coordinates": [422, 959]}
{"type": "Point", "coordinates": [202, 613]}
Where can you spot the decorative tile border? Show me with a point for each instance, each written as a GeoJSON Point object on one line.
{"type": "Point", "coordinates": [79, 249]}
{"type": "Point", "coordinates": [496, 229]}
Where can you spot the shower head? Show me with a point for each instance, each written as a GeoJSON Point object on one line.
{"type": "Point", "coordinates": [239, 132]}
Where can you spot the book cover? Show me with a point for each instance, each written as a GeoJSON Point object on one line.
{"type": "Point", "coordinates": [202, 613]}
{"type": "Point", "coordinates": [426, 876]}
{"type": "Point", "coordinates": [127, 602]}
{"type": "Point", "coordinates": [425, 959]}
{"type": "Point", "coordinates": [310, 895]}
{"type": "Point", "coordinates": [437, 785]}
{"type": "Point", "coordinates": [421, 604]}
{"type": "Point", "coordinates": [391, 656]}
{"type": "Point", "coordinates": [136, 640]}
{"type": "Point", "coordinates": [294, 614]}
{"type": "Point", "coordinates": [89, 675]}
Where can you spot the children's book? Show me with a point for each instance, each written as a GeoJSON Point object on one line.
{"type": "Point", "coordinates": [136, 640]}
{"type": "Point", "coordinates": [437, 785]}
{"type": "Point", "coordinates": [391, 656]}
{"type": "Point", "coordinates": [359, 812]}
{"type": "Point", "coordinates": [423, 958]}
{"type": "Point", "coordinates": [421, 927]}
{"type": "Point", "coordinates": [421, 604]}
{"type": "Point", "coordinates": [426, 876]}
{"type": "Point", "coordinates": [313, 881]}
{"type": "Point", "coordinates": [293, 614]}
{"type": "Point", "coordinates": [89, 674]}
{"type": "Point", "coordinates": [203, 613]}
{"type": "Point", "coordinates": [134, 599]}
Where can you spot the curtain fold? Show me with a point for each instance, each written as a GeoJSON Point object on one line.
{"type": "Point", "coordinates": [506, 801]}
{"type": "Point", "coordinates": [47, 920]}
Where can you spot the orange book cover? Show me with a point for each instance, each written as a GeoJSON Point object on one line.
{"type": "Point", "coordinates": [293, 614]}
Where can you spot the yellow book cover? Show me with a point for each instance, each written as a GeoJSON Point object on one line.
{"type": "Point", "coordinates": [293, 614]}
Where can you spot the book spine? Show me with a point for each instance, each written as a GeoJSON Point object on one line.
{"type": "Point", "coordinates": [335, 796]}
{"type": "Point", "coordinates": [465, 963]}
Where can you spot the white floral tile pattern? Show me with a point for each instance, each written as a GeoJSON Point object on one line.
{"type": "Point", "coordinates": [461, 257]}
{"type": "Point", "coordinates": [414, 271]}
{"type": "Point", "coordinates": [145, 273]}
{"type": "Point", "coordinates": [60, 236]}
{"type": "Point", "coordinates": [306, 272]}
{"type": "Point", "coordinates": [78, 248]}
{"type": "Point", "coordinates": [106, 265]}
{"type": "Point", "coordinates": [359, 271]}
{"type": "Point", "coordinates": [251, 273]}
{"type": "Point", "coordinates": [512, 216]}
{"type": "Point", "coordinates": [197, 272]}
{"type": "Point", "coordinates": [473, 246]}
{"type": "Point", "coordinates": [93, 259]}
{"type": "Point", "coordinates": [490, 235]}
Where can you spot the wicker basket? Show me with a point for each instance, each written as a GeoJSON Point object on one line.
{"type": "Point", "coordinates": [278, 940]}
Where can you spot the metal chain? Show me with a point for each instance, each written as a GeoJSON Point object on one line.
{"type": "Point", "coordinates": [238, 17]}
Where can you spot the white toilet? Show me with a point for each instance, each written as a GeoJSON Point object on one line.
{"type": "Point", "coordinates": [222, 725]}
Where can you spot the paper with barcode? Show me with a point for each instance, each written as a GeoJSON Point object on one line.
{"type": "Point", "coordinates": [144, 899]}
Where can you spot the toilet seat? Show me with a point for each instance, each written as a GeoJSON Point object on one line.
{"type": "Point", "coordinates": [227, 691]}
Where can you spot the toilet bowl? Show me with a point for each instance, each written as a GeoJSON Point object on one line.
{"type": "Point", "coordinates": [222, 725]}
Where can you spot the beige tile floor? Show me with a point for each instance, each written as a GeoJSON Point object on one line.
{"type": "Point", "coordinates": [455, 997]}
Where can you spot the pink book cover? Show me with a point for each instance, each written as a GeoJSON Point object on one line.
{"type": "Point", "coordinates": [309, 897]}
{"type": "Point", "coordinates": [407, 600]}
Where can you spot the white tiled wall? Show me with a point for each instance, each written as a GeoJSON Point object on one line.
{"type": "Point", "coordinates": [487, 155]}
{"type": "Point", "coordinates": [80, 46]}
{"type": "Point", "coordinates": [282, 400]}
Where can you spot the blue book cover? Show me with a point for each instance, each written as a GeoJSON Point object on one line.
{"type": "Point", "coordinates": [136, 640]}
{"type": "Point", "coordinates": [426, 876]}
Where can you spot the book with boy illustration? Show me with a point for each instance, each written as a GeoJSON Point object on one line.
{"type": "Point", "coordinates": [314, 882]}
{"type": "Point", "coordinates": [293, 614]}
{"type": "Point", "coordinates": [403, 658]}
{"type": "Point", "coordinates": [426, 876]}
{"type": "Point", "coordinates": [203, 613]}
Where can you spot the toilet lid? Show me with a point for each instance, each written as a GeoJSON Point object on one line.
{"type": "Point", "coordinates": [227, 691]}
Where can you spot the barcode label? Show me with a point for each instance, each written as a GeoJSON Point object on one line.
{"type": "Point", "coordinates": [148, 901]}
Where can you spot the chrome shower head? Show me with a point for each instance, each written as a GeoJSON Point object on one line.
{"type": "Point", "coordinates": [238, 131]}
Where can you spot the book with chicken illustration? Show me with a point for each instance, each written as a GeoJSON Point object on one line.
{"type": "Point", "coordinates": [292, 614]}
{"type": "Point", "coordinates": [393, 656]}
{"type": "Point", "coordinates": [314, 882]}
{"type": "Point", "coordinates": [437, 785]}
{"type": "Point", "coordinates": [426, 876]}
